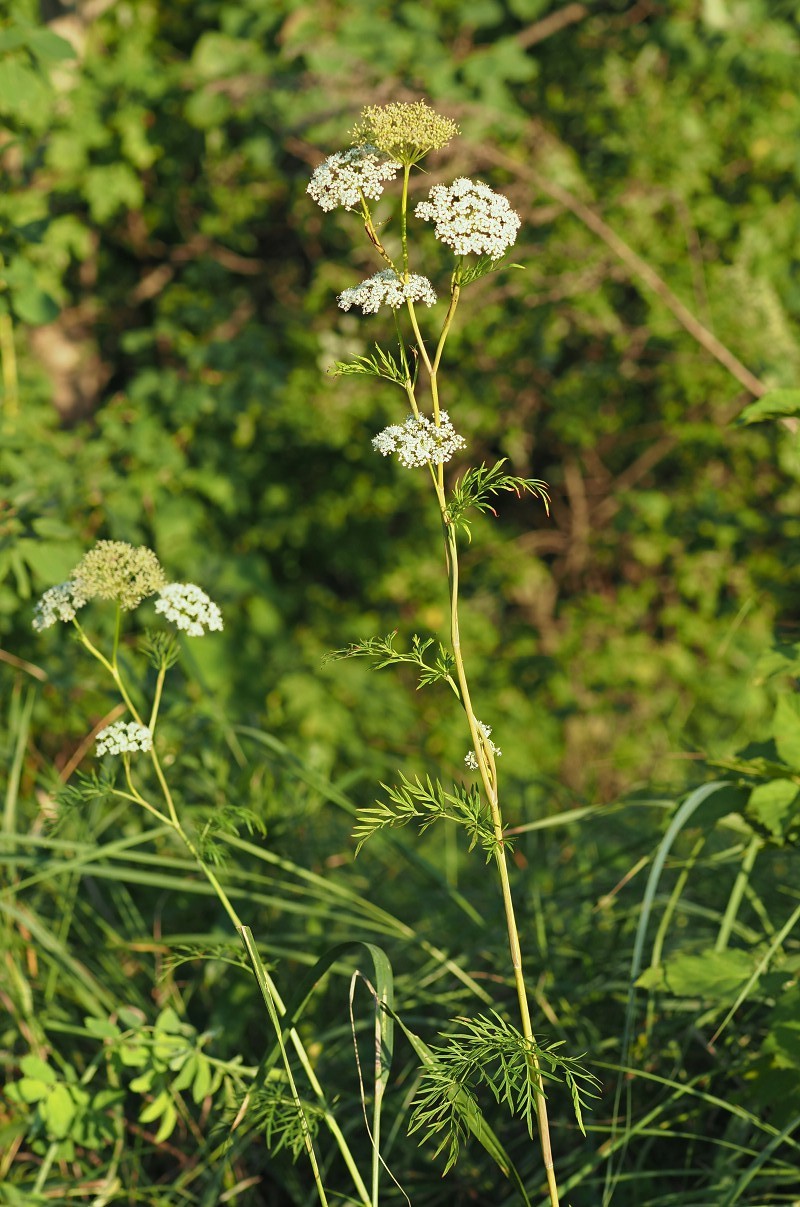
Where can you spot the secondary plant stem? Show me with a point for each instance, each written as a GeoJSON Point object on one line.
{"type": "Point", "coordinates": [269, 986]}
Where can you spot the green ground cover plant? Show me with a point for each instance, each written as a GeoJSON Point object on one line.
{"type": "Point", "coordinates": [166, 326]}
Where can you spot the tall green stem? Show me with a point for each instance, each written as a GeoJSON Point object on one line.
{"type": "Point", "coordinates": [481, 745]}
{"type": "Point", "coordinates": [488, 773]}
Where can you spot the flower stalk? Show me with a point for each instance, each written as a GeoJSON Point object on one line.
{"type": "Point", "coordinates": [471, 220]}
{"type": "Point", "coordinates": [117, 571]}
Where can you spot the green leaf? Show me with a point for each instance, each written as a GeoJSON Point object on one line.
{"type": "Point", "coordinates": [45, 44]}
{"type": "Point", "coordinates": [709, 974]}
{"type": "Point", "coordinates": [786, 729]}
{"type": "Point", "coordinates": [32, 1089]}
{"type": "Point", "coordinates": [472, 1114]}
{"type": "Point", "coordinates": [21, 89]}
{"type": "Point", "coordinates": [34, 1066]}
{"type": "Point", "coordinates": [103, 1028]}
{"type": "Point", "coordinates": [13, 38]}
{"type": "Point", "coordinates": [771, 806]}
{"type": "Point", "coordinates": [382, 364]}
{"type": "Point", "coordinates": [202, 1080]}
{"type": "Point", "coordinates": [772, 405]}
{"type": "Point", "coordinates": [155, 1109]}
{"type": "Point", "coordinates": [111, 187]}
{"type": "Point", "coordinates": [132, 1017]}
{"type": "Point", "coordinates": [168, 1123]}
{"type": "Point", "coordinates": [59, 1110]}
{"type": "Point", "coordinates": [28, 300]}
{"type": "Point", "coordinates": [186, 1075]}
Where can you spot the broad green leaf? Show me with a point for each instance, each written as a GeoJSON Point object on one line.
{"type": "Point", "coordinates": [155, 1109]}
{"type": "Point", "coordinates": [168, 1123]}
{"type": "Point", "coordinates": [32, 1089]}
{"type": "Point", "coordinates": [786, 729]}
{"type": "Point", "coordinates": [783, 1038]}
{"type": "Point", "coordinates": [772, 805]}
{"type": "Point", "coordinates": [132, 1017]}
{"type": "Point", "coordinates": [13, 38]}
{"type": "Point", "coordinates": [772, 405]}
{"type": "Point", "coordinates": [202, 1081]}
{"type": "Point", "coordinates": [59, 1110]}
{"type": "Point", "coordinates": [186, 1075]}
{"type": "Point", "coordinates": [34, 306]}
{"type": "Point", "coordinates": [34, 1066]}
{"type": "Point", "coordinates": [21, 89]}
{"type": "Point", "coordinates": [710, 974]}
{"type": "Point", "coordinates": [49, 46]}
{"type": "Point", "coordinates": [103, 1028]}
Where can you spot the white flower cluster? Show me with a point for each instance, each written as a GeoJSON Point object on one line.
{"type": "Point", "coordinates": [471, 217]}
{"type": "Point", "coordinates": [58, 603]}
{"type": "Point", "coordinates": [419, 441]}
{"type": "Point", "coordinates": [343, 178]}
{"type": "Point", "coordinates": [470, 757]}
{"type": "Point", "coordinates": [189, 608]}
{"type": "Point", "coordinates": [387, 287]}
{"type": "Point", "coordinates": [124, 737]}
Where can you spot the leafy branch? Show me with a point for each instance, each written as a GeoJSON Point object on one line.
{"type": "Point", "coordinates": [427, 802]}
{"type": "Point", "coordinates": [490, 1052]}
{"type": "Point", "coordinates": [382, 653]}
{"type": "Point", "coordinates": [286, 1123]}
{"type": "Point", "coordinates": [382, 364]}
{"type": "Point", "coordinates": [467, 273]}
{"type": "Point", "coordinates": [227, 819]}
{"type": "Point", "coordinates": [479, 485]}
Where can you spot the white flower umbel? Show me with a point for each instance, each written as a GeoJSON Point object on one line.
{"type": "Point", "coordinates": [419, 441]}
{"type": "Point", "coordinates": [58, 603]}
{"type": "Point", "coordinates": [343, 178]}
{"type": "Point", "coordinates": [470, 757]}
{"type": "Point", "coordinates": [387, 287]}
{"type": "Point", "coordinates": [124, 737]}
{"type": "Point", "coordinates": [471, 217]}
{"type": "Point", "coordinates": [189, 608]}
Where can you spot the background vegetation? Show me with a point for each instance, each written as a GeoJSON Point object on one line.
{"type": "Point", "coordinates": [168, 316]}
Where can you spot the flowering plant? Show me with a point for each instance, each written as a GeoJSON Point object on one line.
{"type": "Point", "coordinates": [126, 576]}
{"type": "Point", "coordinates": [479, 226]}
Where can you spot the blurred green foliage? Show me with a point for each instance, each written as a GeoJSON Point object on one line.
{"type": "Point", "coordinates": [170, 293]}
{"type": "Point", "coordinates": [164, 168]}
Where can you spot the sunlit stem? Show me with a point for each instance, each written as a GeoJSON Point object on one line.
{"type": "Point", "coordinates": [423, 351]}
{"type": "Point", "coordinates": [488, 774]}
{"type": "Point", "coordinates": [162, 674]}
{"type": "Point", "coordinates": [373, 236]}
{"type": "Point", "coordinates": [136, 796]}
{"type": "Point", "coordinates": [409, 380]}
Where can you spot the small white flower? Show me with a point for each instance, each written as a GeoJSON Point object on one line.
{"type": "Point", "coordinates": [124, 737]}
{"type": "Point", "coordinates": [58, 603]}
{"type": "Point", "coordinates": [419, 441]}
{"type": "Point", "coordinates": [470, 757]}
{"type": "Point", "coordinates": [189, 608]}
{"type": "Point", "coordinates": [471, 217]}
{"type": "Point", "coordinates": [343, 178]}
{"type": "Point", "coordinates": [387, 287]}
